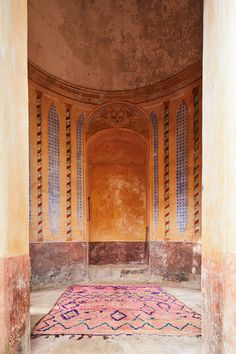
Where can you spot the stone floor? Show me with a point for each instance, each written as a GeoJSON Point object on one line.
{"type": "Point", "coordinates": [43, 300]}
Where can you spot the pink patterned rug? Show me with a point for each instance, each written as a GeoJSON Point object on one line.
{"type": "Point", "coordinates": [112, 310]}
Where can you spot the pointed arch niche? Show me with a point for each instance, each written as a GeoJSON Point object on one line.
{"type": "Point", "coordinates": [53, 168]}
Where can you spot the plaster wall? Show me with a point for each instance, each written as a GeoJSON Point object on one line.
{"type": "Point", "coordinates": [164, 244]}
{"type": "Point", "coordinates": [14, 247]}
{"type": "Point", "coordinates": [114, 45]}
{"type": "Point", "coordinates": [118, 186]}
{"type": "Point", "coordinates": [14, 129]}
{"type": "Point", "coordinates": [219, 176]}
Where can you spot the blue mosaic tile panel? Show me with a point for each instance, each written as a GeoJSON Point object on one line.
{"type": "Point", "coordinates": [155, 166]}
{"type": "Point", "coordinates": [54, 168]}
{"type": "Point", "coordinates": [166, 169]}
{"type": "Point", "coordinates": [39, 171]}
{"type": "Point", "coordinates": [79, 139]}
{"type": "Point", "coordinates": [182, 167]}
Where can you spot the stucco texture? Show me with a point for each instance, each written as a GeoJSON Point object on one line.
{"type": "Point", "coordinates": [117, 186]}
{"type": "Point", "coordinates": [14, 226]}
{"type": "Point", "coordinates": [219, 176]}
{"type": "Point", "coordinates": [13, 129]}
{"type": "Point", "coordinates": [114, 44]}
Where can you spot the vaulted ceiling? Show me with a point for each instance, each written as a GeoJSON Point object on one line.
{"type": "Point", "coordinates": [114, 44]}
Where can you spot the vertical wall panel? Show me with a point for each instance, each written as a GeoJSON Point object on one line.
{"type": "Point", "coordinates": [33, 164]}
{"type": "Point", "coordinates": [39, 170]}
{"type": "Point", "coordinates": [196, 166]}
{"type": "Point", "coordinates": [79, 136]}
{"type": "Point", "coordinates": [182, 167]}
{"type": "Point", "coordinates": [166, 169]}
{"type": "Point", "coordinates": [54, 168]}
{"type": "Point", "coordinates": [68, 175]}
{"type": "Point", "coordinates": [155, 167]}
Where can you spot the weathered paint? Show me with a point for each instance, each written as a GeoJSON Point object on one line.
{"type": "Point", "coordinates": [114, 131]}
{"type": "Point", "coordinates": [54, 264]}
{"type": "Point", "coordinates": [118, 187]}
{"type": "Point", "coordinates": [114, 45]}
{"type": "Point", "coordinates": [176, 261]}
{"type": "Point", "coordinates": [98, 119]}
{"type": "Point", "coordinates": [219, 176]}
{"type": "Point", "coordinates": [13, 129]}
{"type": "Point", "coordinates": [118, 252]}
{"type": "Point", "coordinates": [16, 306]}
{"type": "Point", "coordinates": [14, 179]}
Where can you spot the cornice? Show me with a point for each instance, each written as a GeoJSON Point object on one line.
{"type": "Point", "coordinates": [91, 96]}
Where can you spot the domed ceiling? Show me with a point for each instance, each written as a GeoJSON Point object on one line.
{"type": "Point", "coordinates": [114, 44]}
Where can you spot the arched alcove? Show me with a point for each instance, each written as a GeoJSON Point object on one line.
{"type": "Point", "coordinates": [118, 187]}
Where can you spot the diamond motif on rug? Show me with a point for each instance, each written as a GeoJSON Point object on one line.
{"type": "Point", "coordinates": [113, 310]}
{"type": "Point", "coordinates": [117, 315]}
{"type": "Point", "coordinates": [70, 314]}
{"type": "Point", "coordinates": [148, 310]}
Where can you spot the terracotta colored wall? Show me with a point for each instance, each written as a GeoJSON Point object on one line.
{"type": "Point", "coordinates": [14, 253]}
{"type": "Point", "coordinates": [118, 187]}
{"type": "Point", "coordinates": [81, 114]}
{"type": "Point", "coordinates": [76, 108]}
{"type": "Point", "coordinates": [219, 176]}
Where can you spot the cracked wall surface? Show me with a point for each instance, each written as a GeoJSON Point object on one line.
{"type": "Point", "coordinates": [115, 44]}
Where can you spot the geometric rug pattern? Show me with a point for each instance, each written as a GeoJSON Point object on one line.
{"type": "Point", "coordinates": [113, 310]}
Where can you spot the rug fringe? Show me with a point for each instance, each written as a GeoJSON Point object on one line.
{"type": "Point", "coordinates": [105, 337]}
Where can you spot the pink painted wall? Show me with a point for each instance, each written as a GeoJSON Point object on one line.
{"type": "Point", "coordinates": [219, 176]}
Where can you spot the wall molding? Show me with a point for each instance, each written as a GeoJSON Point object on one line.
{"type": "Point", "coordinates": [91, 96]}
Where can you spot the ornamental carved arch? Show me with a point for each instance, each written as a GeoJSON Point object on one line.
{"type": "Point", "coordinates": [117, 115]}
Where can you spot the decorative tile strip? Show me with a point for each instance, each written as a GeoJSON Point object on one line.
{"type": "Point", "coordinates": [79, 136]}
{"type": "Point", "coordinates": [182, 167]}
{"type": "Point", "coordinates": [54, 168]}
{"type": "Point", "coordinates": [68, 175]}
{"type": "Point", "coordinates": [166, 169]}
{"type": "Point", "coordinates": [196, 166]}
{"type": "Point", "coordinates": [155, 166]}
{"type": "Point", "coordinates": [39, 170]}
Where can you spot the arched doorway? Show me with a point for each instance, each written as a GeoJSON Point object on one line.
{"type": "Point", "coordinates": [117, 175]}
